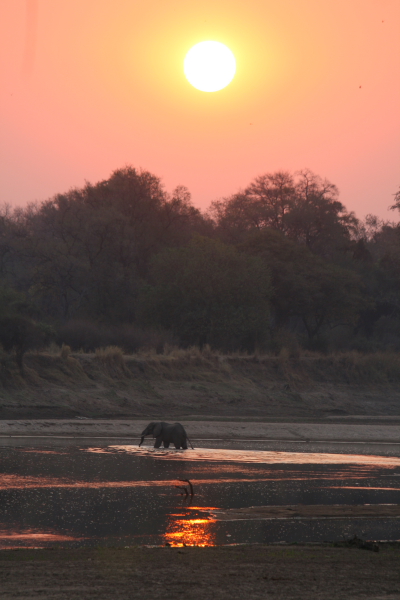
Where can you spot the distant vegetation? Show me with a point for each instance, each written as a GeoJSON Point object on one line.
{"type": "Point", "coordinates": [280, 264]}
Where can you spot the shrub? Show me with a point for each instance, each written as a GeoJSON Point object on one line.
{"type": "Point", "coordinates": [65, 351]}
{"type": "Point", "coordinates": [20, 334]}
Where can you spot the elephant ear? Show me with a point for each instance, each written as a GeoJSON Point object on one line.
{"type": "Point", "coordinates": [157, 429]}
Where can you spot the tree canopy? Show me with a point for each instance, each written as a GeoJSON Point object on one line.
{"type": "Point", "coordinates": [305, 208]}
{"type": "Point", "coordinates": [281, 254]}
{"type": "Point", "coordinates": [209, 293]}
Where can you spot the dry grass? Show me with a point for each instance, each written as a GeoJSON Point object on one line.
{"type": "Point", "coordinates": [53, 349]}
{"type": "Point", "coordinates": [111, 356]}
{"type": "Point", "coordinates": [112, 361]}
{"type": "Point", "coordinates": [379, 367]}
{"type": "Point", "coordinates": [195, 364]}
{"type": "Point", "coordinates": [182, 356]}
{"type": "Point", "coordinates": [290, 363]}
{"type": "Point", "coordinates": [177, 364]}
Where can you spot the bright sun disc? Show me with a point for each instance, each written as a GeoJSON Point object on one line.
{"type": "Point", "coordinates": [209, 66]}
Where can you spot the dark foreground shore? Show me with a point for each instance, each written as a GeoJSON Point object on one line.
{"type": "Point", "coordinates": [289, 572]}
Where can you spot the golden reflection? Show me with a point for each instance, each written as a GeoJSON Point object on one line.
{"type": "Point", "coordinates": [11, 481]}
{"type": "Point", "coordinates": [31, 538]}
{"type": "Point", "coordinates": [359, 487]}
{"type": "Point", "coordinates": [255, 456]}
{"type": "Point", "coordinates": [202, 508]}
{"type": "Point", "coordinates": [190, 532]}
{"type": "Point", "coordinates": [39, 451]}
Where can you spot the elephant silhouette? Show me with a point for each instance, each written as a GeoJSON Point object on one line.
{"type": "Point", "coordinates": [166, 434]}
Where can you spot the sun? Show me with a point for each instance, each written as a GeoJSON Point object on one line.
{"type": "Point", "coordinates": [209, 66]}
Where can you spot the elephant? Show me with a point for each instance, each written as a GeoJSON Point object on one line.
{"type": "Point", "coordinates": [167, 434]}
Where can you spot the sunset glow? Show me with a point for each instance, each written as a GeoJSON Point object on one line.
{"type": "Point", "coordinates": [90, 87]}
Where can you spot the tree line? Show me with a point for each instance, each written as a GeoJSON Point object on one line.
{"type": "Point", "coordinates": [123, 261]}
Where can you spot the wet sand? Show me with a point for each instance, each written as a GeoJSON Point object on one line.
{"type": "Point", "coordinates": [314, 511]}
{"type": "Point", "coordinates": [387, 432]}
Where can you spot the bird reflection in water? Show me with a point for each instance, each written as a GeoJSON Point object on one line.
{"type": "Point", "coordinates": [190, 532]}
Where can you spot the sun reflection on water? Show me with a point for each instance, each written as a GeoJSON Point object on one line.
{"type": "Point", "coordinates": [190, 532]}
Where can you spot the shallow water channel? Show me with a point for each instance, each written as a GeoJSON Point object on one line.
{"type": "Point", "coordinates": [96, 492]}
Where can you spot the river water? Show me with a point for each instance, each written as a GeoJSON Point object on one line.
{"type": "Point", "coordinates": [110, 492]}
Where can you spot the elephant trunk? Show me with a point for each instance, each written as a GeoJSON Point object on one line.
{"type": "Point", "coordinates": [141, 440]}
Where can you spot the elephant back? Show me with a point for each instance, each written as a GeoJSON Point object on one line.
{"type": "Point", "coordinates": [181, 428]}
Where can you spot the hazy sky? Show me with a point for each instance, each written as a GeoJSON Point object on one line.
{"type": "Point", "coordinates": [89, 86]}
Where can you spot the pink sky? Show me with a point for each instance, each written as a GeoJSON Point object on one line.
{"type": "Point", "coordinates": [90, 86]}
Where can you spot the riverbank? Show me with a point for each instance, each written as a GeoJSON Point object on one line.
{"type": "Point", "coordinates": [290, 572]}
{"type": "Point", "coordinates": [192, 385]}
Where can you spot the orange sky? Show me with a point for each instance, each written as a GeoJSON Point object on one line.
{"type": "Point", "coordinates": [88, 86]}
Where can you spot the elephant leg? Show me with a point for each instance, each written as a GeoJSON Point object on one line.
{"type": "Point", "coordinates": [184, 445]}
{"type": "Point", "coordinates": [157, 443]}
{"type": "Point", "coordinates": [166, 444]}
{"type": "Point", "coordinates": [177, 445]}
